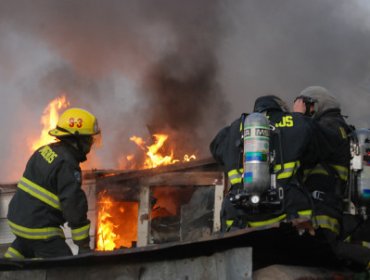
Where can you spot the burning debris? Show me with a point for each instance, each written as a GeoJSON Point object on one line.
{"type": "Point", "coordinates": [155, 154]}
{"type": "Point", "coordinates": [116, 223]}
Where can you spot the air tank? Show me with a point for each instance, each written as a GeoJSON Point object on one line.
{"type": "Point", "coordinates": [361, 163]}
{"type": "Point", "coordinates": [256, 157]}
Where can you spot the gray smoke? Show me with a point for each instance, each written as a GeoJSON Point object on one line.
{"type": "Point", "coordinates": [186, 68]}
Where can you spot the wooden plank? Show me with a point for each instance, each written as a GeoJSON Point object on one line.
{"type": "Point", "coordinates": [118, 176]}
{"type": "Point", "coordinates": [143, 217]}
{"type": "Point", "coordinates": [184, 178]}
{"type": "Point", "coordinates": [219, 196]}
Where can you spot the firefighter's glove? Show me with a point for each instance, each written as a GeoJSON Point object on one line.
{"type": "Point", "coordinates": [83, 246]}
{"type": "Point", "coordinates": [84, 250]}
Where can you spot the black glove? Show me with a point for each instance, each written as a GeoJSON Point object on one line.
{"type": "Point", "coordinates": [83, 246]}
{"type": "Point", "coordinates": [84, 250]}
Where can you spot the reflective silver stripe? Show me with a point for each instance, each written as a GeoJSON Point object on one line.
{"type": "Point", "coordinates": [319, 169]}
{"type": "Point", "coordinates": [81, 233]}
{"type": "Point", "coordinates": [289, 169]}
{"type": "Point", "coordinates": [327, 222]}
{"type": "Point", "coordinates": [13, 253]}
{"type": "Point", "coordinates": [235, 176]}
{"type": "Point", "coordinates": [35, 233]}
{"type": "Point", "coordinates": [40, 193]}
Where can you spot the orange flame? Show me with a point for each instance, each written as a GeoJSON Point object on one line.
{"type": "Point", "coordinates": [154, 157]}
{"type": "Point", "coordinates": [49, 120]}
{"type": "Point", "coordinates": [106, 237]}
{"type": "Point", "coordinates": [111, 232]}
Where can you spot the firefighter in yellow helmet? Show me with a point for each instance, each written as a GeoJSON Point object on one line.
{"type": "Point", "coordinates": [49, 192]}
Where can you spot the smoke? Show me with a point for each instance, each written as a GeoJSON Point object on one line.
{"type": "Point", "coordinates": [137, 65]}
{"type": "Point", "coordinates": [186, 68]}
{"type": "Point", "coordinates": [281, 47]}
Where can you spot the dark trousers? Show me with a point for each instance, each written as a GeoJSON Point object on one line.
{"type": "Point", "coordinates": [49, 248]}
{"type": "Point", "coordinates": [354, 253]}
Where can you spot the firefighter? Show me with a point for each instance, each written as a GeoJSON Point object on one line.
{"type": "Point", "coordinates": [327, 180]}
{"type": "Point", "coordinates": [226, 148]}
{"type": "Point", "coordinates": [49, 192]}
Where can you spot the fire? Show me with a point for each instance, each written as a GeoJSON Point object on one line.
{"type": "Point", "coordinates": [49, 120]}
{"type": "Point", "coordinates": [154, 155]}
{"type": "Point", "coordinates": [116, 223]}
{"type": "Point", "coordinates": [106, 238]}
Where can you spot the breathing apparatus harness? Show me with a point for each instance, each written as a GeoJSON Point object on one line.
{"type": "Point", "coordinates": [358, 188]}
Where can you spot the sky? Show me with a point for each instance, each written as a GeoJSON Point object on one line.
{"type": "Point", "coordinates": [185, 68]}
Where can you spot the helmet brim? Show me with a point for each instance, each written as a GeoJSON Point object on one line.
{"type": "Point", "coordinates": [56, 132]}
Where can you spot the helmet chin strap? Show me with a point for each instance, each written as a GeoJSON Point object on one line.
{"type": "Point", "coordinates": [82, 143]}
{"type": "Point", "coordinates": [308, 109]}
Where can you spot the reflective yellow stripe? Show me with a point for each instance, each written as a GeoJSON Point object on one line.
{"type": "Point", "coordinates": [327, 222]}
{"type": "Point", "coordinates": [319, 169]}
{"type": "Point", "coordinates": [13, 253]}
{"type": "Point", "coordinates": [229, 224]}
{"type": "Point", "coordinates": [342, 171]}
{"type": "Point", "coordinates": [267, 223]}
{"type": "Point", "coordinates": [39, 192]}
{"type": "Point", "coordinates": [315, 171]}
{"type": "Point", "coordinates": [305, 214]}
{"type": "Point", "coordinates": [290, 169]}
{"type": "Point", "coordinates": [235, 176]}
{"type": "Point", "coordinates": [80, 233]}
{"type": "Point", "coordinates": [35, 233]}
{"type": "Point", "coordinates": [365, 244]}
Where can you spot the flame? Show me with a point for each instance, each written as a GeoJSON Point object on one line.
{"type": "Point", "coordinates": [154, 156]}
{"type": "Point", "coordinates": [111, 232]}
{"type": "Point", "coordinates": [106, 237]}
{"type": "Point", "coordinates": [49, 120]}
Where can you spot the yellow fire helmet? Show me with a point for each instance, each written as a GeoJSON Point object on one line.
{"type": "Point", "coordinates": [76, 121]}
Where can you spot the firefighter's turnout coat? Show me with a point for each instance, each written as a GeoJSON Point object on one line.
{"type": "Point", "coordinates": [327, 180]}
{"type": "Point", "coordinates": [298, 146]}
{"type": "Point", "coordinates": [49, 194]}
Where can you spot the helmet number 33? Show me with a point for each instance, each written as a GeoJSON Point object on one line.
{"type": "Point", "coordinates": [75, 122]}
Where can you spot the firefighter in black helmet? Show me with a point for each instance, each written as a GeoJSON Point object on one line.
{"type": "Point", "coordinates": [226, 149]}
{"type": "Point", "coordinates": [327, 180]}
{"type": "Point", "coordinates": [49, 192]}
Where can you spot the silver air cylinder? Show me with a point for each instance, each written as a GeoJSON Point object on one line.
{"type": "Point", "coordinates": [256, 158]}
{"type": "Point", "coordinates": [361, 162]}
